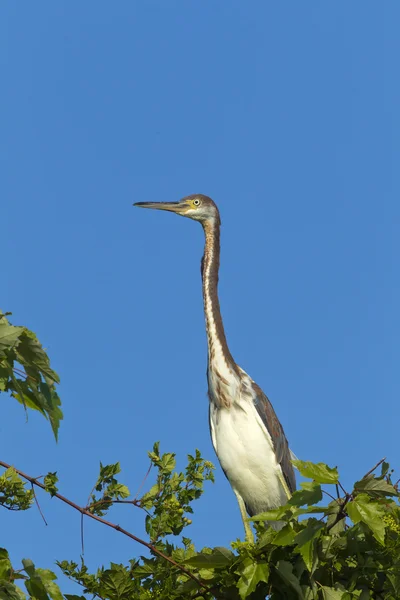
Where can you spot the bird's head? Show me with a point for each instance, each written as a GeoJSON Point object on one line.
{"type": "Point", "coordinates": [197, 207]}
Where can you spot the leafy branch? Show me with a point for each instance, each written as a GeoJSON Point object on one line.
{"type": "Point", "coordinates": [25, 372]}
{"type": "Point", "coordinates": [351, 552]}
{"type": "Point", "coordinates": [197, 471]}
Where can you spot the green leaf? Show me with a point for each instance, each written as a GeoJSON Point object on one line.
{"type": "Point", "coordinates": [305, 541]}
{"type": "Point", "coordinates": [277, 514]}
{"type": "Point", "coordinates": [8, 334]}
{"type": "Point", "coordinates": [22, 392]}
{"type": "Point", "coordinates": [37, 391]}
{"type": "Point", "coordinates": [285, 571]}
{"type": "Point", "coordinates": [34, 584]}
{"type": "Point", "coordinates": [39, 396]}
{"type": "Point", "coordinates": [52, 407]}
{"type": "Point", "coordinates": [168, 461]}
{"type": "Point", "coordinates": [329, 593]}
{"type": "Point", "coordinates": [48, 578]}
{"type": "Point", "coordinates": [229, 555]}
{"type": "Point", "coordinates": [285, 536]}
{"type": "Point", "coordinates": [50, 481]}
{"type": "Point", "coordinates": [5, 564]}
{"type": "Point", "coordinates": [107, 472]}
{"type": "Point", "coordinates": [312, 528]}
{"type": "Point", "coordinates": [30, 353]}
{"type": "Point", "coordinates": [266, 538]}
{"type": "Point", "coordinates": [310, 510]}
{"type": "Point", "coordinates": [370, 513]}
{"type": "Point", "coordinates": [9, 591]}
{"type": "Point", "coordinates": [5, 371]}
{"type": "Point", "coordinates": [118, 491]}
{"type": "Point", "coordinates": [218, 558]}
{"type": "Point", "coordinates": [319, 472]}
{"type": "Point", "coordinates": [310, 494]}
{"type": "Point", "coordinates": [13, 494]}
{"type": "Point", "coordinates": [384, 469]}
{"type": "Point", "coordinates": [117, 584]}
{"type": "Point", "coordinates": [251, 574]}
{"type": "Point", "coordinates": [375, 486]}
{"type": "Point", "coordinates": [394, 579]}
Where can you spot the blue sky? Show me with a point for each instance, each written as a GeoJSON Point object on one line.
{"type": "Point", "coordinates": [287, 115]}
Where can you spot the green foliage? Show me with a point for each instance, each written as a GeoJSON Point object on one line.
{"type": "Point", "coordinates": [349, 550]}
{"type": "Point", "coordinates": [171, 496]}
{"type": "Point", "coordinates": [13, 494]}
{"type": "Point", "coordinates": [50, 481]}
{"type": "Point", "coordinates": [25, 372]}
{"type": "Point", "coordinates": [318, 472]}
{"type": "Point", "coordinates": [346, 549]}
{"type": "Point", "coordinates": [39, 583]}
{"type": "Point", "coordinates": [111, 490]}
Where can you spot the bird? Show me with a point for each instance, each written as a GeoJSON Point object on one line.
{"type": "Point", "coordinates": [246, 434]}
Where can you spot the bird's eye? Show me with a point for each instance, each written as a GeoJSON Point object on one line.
{"type": "Point", "coordinates": [196, 202]}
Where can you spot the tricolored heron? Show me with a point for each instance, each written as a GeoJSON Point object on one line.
{"type": "Point", "coordinates": [246, 433]}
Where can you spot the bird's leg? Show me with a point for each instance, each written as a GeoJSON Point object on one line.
{"type": "Point", "coordinates": [247, 527]}
{"type": "Point", "coordinates": [284, 485]}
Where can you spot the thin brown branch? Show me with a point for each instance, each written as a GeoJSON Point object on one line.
{"type": "Point", "coordinates": [9, 507]}
{"type": "Point", "coordinates": [328, 494]}
{"type": "Point", "coordinates": [82, 526]}
{"type": "Point", "coordinates": [375, 467]}
{"type": "Point", "coordinates": [134, 502]}
{"type": "Point", "coordinates": [143, 481]}
{"type": "Point", "coordinates": [110, 502]}
{"type": "Point", "coordinates": [82, 537]}
{"type": "Point", "coordinates": [19, 372]}
{"type": "Point", "coordinates": [37, 504]}
{"type": "Point", "coordinates": [133, 537]}
{"type": "Point", "coordinates": [341, 513]}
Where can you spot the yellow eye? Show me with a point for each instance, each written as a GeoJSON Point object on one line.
{"type": "Point", "coordinates": [196, 202]}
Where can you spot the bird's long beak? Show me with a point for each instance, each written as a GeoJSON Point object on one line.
{"type": "Point", "coordinates": [176, 207]}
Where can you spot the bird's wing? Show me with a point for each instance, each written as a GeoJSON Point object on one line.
{"type": "Point", "coordinates": [282, 452]}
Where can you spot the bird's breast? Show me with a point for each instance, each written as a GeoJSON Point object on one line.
{"type": "Point", "coordinates": [245, 451]}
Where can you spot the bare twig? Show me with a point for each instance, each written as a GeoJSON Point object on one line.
{"type": "Point", "coordinates": [143, 481]}
{"type": "Point", "coordinates": [82, 527]}
{"type": "Point", "coordinates": [37, 504]}
{"type": "Point", "coordinates": [328, 494]}
{"type": "Point", "coordinates": [85, 512]}
{"type": "Point", "coordinates": [82, 537]}
{"type": "Point", "coordinates": [9, 507]}
{"type": "Point", "coordinates": [19, 372]}
{"type": "Point", "coordinates": [110, 502]}
{"type": "Point", "coordinates": [375, 467]}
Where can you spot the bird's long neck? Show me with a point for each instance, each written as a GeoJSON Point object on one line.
{"type": "Point", "coordinates": [219, 355]}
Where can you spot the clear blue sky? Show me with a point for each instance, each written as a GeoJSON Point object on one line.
{"type": "Point", "coordinates": [287, 114]}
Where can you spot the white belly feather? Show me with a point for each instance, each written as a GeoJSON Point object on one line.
{"type": "Point", "coordinates": [244, 449]}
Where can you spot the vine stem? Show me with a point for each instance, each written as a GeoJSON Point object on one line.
{"type": "Point", "coordinates": [130, 535]}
